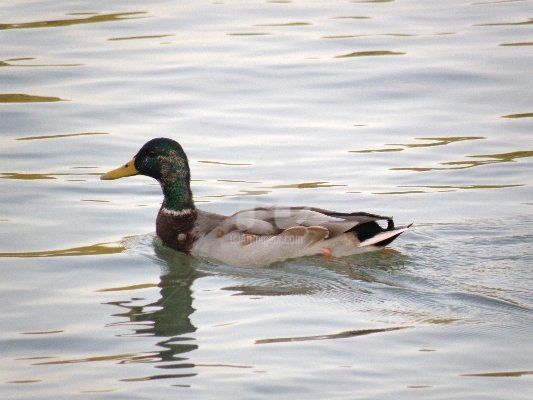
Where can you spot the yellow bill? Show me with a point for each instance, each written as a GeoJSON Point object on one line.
{"type": "Point", "coordinates": [126, 170]}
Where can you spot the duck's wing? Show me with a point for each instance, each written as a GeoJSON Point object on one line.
{"type": "Point", "coordinates": [285, 232]}
{"type": "Point", "coordinates": [274, 220]}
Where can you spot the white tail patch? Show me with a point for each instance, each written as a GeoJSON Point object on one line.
{"type": "Point", "coordinates": [380, 237]}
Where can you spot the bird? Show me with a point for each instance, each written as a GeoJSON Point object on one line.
{"type": "Point", "coordinates": [252, 237]}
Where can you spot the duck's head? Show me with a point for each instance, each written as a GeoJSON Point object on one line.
{"type": "Point", "coordinates": [162, 159]}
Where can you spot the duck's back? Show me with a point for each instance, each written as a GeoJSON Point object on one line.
{"type": "Point", "coordinates": [265, 235]}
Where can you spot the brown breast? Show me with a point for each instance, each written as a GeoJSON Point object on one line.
{"type": "Point", "coordinates": [175, 228]}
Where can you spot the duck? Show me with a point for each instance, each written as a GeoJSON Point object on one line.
{"type": "Point", "coordinates": [253, 237]}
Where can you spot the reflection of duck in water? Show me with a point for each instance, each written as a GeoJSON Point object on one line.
{"type": "Point", "coordinates": [257, 236]}
{"type": "Point", "coordinates": [169, 316]}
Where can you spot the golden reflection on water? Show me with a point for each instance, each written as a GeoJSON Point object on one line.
{"type": "Point", "coordinates": [402, 192]}
{"type": "Point", "coordinates": [517, 44]}
{"type": "Point", "coordinates": [446, 188]}
{"type": "Point", "coordinates": [371, 53]}
{"type": "Point", "coordinates": [26, 98]}
{"type": "Point", "coordinates": [8, 64]}
{"type": "Point", "coordinates": [529, 21]}
{"type": "Point", "coordinates": [368, 35]}
{"type": "Point", "coordinates": [502, 374]}
{"type": "Point", "coordinates": [252, 192]}
{"type": "Point", "coordinates": [305, 185]}
{"type": "Point", "coordinates": [286, 24]}
{"type": "Point", "coordinates": [65, 135]}
{"type": "Point", "coordinates": [439, 141]}
{"type": "Point", "coordinates": [453, 165]}
{"type": "Point", "coordinates": [21, 59]}
{"type": "Point", "coordinates": [139, 37]}
{"type": "Point", "coordinates": [95, 201]}
{"type": "Point", "coordinates": [339, 37]}
{"type": "Point", "coordinates": [433, 141]}
{"type": "Point", "coordinates": [37, 176]}
{"type": "Point", "coordinates": [391, 150]}
{"type": "Point", "coordinates": [236, 181]}
{"type": "Point", "coordinates": [42, 332]}
{"type": "Point", "coordinates": [74, 21]}
{"type": "Point", "coordinates": [524, 115]}
{"type": "Point", "coordinates": [248, 34]}
{"type": "Point", "coordinates": [223, 163]}
{"type": "Point", "coordinates": [95, 249]}
{"type": "Point", "coordinates": [490, 159]}
{"type": "Point", "coordinates": [16, 175]}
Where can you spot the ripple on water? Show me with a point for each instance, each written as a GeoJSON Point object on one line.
{"type": "Point", "coordinates": [42, 332]}
{"type": "Point", "coordinates": [64, 135]}
{"type": "Point", "coordinates": [9, 63]}
{"type": "Point", "coordinates": [529, 21]}
{"type": "Point", "coordinates": [371, 53]}
{"type": "Point", "coordinates": [27, 98]}
{"type": "Point", "coordinates": [340, 335]}
{"type": "Point", "coordinates": [224, 163]}
{"type": "Point", "coordinates": [95, 249]}
{"type": "Point", "coordinates": [368, 35]}
{"type": "Point", "coordinates": [517, 44]}
{"type": "Point", "coordinates": [39, 175]}
{"type": "Point", "coordinates": [249, 34]}
{"type": "Point", "coordinates": [428, 142]}
{"type": "Point", "coordinates": [488, 159]}
{"type": "Point", "coordinates": [141, 37]}
{"type": "Point", "coordinates": [285, 24]}
{"type": "Point", "coordinates": [306, 185]}
{"type": "Point", "coordinates": [74, 21]}
{"type": "Point", "coordinates": [523, 115]}
{"type": "Point", "coordinates": [500, 374]}
{"type": "Point", "coordinates": [445, 188]}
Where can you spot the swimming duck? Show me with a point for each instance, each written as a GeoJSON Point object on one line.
{"type": "Point", "coordinates": [258, 236]}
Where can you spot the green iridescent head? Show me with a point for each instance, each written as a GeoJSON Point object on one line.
{"type": "Point", "coordinates": [164, 160]}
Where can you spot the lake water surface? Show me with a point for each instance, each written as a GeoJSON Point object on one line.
{"type": "Point", "coordinates": [416, 109]}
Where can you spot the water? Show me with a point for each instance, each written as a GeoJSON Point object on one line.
{"type": "Point", "coordinates": [413, 109]}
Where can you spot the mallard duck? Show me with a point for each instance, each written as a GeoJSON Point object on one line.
{"type": "Point", "coordinates": [258, 236]}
